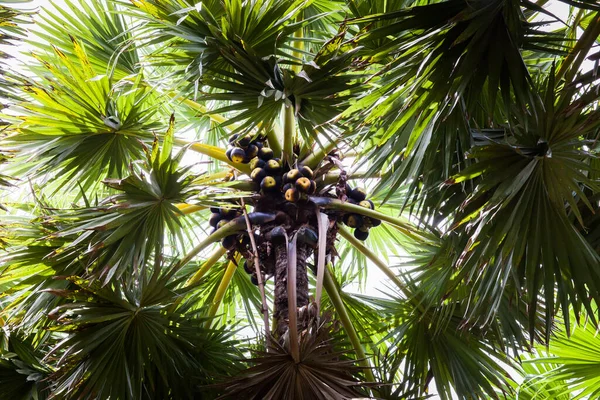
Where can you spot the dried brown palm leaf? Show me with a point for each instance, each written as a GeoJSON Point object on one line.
{"type": "Point", "coordinates": [323, 373]}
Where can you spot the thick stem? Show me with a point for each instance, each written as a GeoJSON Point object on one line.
{"type": "Point", "coordinates": [291, 292]}
{"type": "Point", "coordinates": [227, 277]}
{"type": "Point", "coordinates": [274, 139]}
{"type": "Point", "coordinates": [313, 160]}
{"type": "Point", "coordinates": [212, 260]}
{"type": "Point", "coordinates": [403, 226]}
{"type": "Point", "coordinates": [289, 133]}
{"type": "Point", "coordinates": [281, 303]}
{"type": "Point", "coordinates": [208, 264]}
{"type": "Point", "coordinates": [189, 208]}
{"type": "Point", "coordinates": [298, 45]}
{"type": "Point", "coordinates": [302, 276]}
{"type": "Point", "coordinates": [323, 224]}
{"type": "Point", "coordinates": [214, 152]}
{"type": "Point", "coordinates": [281, 299]}
{"type": "Point", "coordinates": [235, 225]}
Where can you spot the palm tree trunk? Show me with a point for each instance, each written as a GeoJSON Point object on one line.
{"type": "Point", "coordinates": [281, 296]}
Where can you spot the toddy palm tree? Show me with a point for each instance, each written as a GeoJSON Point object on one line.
{"type": "Point", "coordinates": [193, 173]}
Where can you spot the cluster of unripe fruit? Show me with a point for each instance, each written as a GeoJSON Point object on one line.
{"type": "Point", "coordinates": [295, 184]}
{"type": "Point", "coordinates": [298, 183]}
{"type": "Point", "coordinates": [268, 171]}
{"type": "Point", "coordinates": [220, 217]}
{"type": "Point", "coordinates": [360, 223]}
{"type": "Point", "coordinates": [245, 148]}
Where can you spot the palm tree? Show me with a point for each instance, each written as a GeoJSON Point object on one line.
{"type": "Point", "coordinates": [201, 187]}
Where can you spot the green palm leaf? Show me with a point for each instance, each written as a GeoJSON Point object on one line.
{"type": "Point", "coordinates": [124, 230]}
{"type": "Point", "coordinates": [567, 370]}
{"type": "Point", "coordinates": [101, 29]}
{"type": "Point", "coordinates": [81, 124]}
{"type": "Point", "coordinates": [127, 341]}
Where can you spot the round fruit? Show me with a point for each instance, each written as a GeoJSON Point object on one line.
{"type": "Point", "coordinates": [345, 218]}
{"type": "Point", "coordinates": [307, 172]}
{"type": "Point", "coordinates": [273, 167]}
{"type": "Point", "coordinates": [367, 204]}
{"type": "Point", "coordinates": [265, 153]}
{"type": "Point", "coordinates": [215, 210]}
{"type": "Point", "coordinates": [358, 194]}
{"type": "Point", "coordinates": [257, 163]}
{"type": "Point", "coordinates": [251, 152]}
{"type": "Point", "coordinates": [228, 212]}
{"type": "Point", "coordinates": [254, 280]}
{"type": "Point", "coordinates": [287, 186]}
{"type": "Point", "coordinates": [303, 184]}
{"type": "Point", "coordinates": [229, 242]}
{"type": "Point", "coordinates": [228, 153]}
{"type": "Point", "coordinates": [313, 187]}
{"type": "Point", "coordinates": [292, 195]}
{"type": "Point", "coordinates": [375, 221]}
{"type": "Point", "coordinates": [360, 234]}
{"type": "Point", "coordinates": [268, 184]}
{"type": "Point", "coordinates": [354, 220]}
{"type": "Point", "coordinates": [258, 174]}
{"type": "Point", "coordinates": [248, 267]}
{"type": "Point", "coordinates": [245, 240]}
{"type": "Point", "coordinates": [214, 219]}
{"type": "Point", "coordinates": [292, 176]}
{"type": "Point", "coordinates": [244, 141]}
{"type": "Point", "coordinates": [238, 155]}
{"type": "Point", "coordinates": [233, 138]}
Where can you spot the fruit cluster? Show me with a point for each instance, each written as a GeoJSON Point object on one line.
{"type": "Point", "coordinates": [245, 148]}
{"type": "Point", "coordinates": [360, 223]}
{"type": "Point", "coordinates": [220, 217]}
{"type": "Point", "coordinates": [266, 171]}
{"type": "Point", "coordinates": [298, 183]}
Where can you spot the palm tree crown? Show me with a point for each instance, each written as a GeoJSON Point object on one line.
{"type": "Point", "coordinates": [194, 191]}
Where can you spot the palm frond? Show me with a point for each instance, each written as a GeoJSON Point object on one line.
{"type": "Point", "coordinates": [128, 342]}
{"type": "Point", "coordinates": [23, 374]}
{"type": "Point", "coordinates": [80, 124]}
{"type": "Point", "coordinates": [535, 196]}
{"type": "Point", "coordinates": [99, 26]}
{"type": "Point", "coordinates": [125, 229]}
{"type": "Point", "coordinates": [565, 368]}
